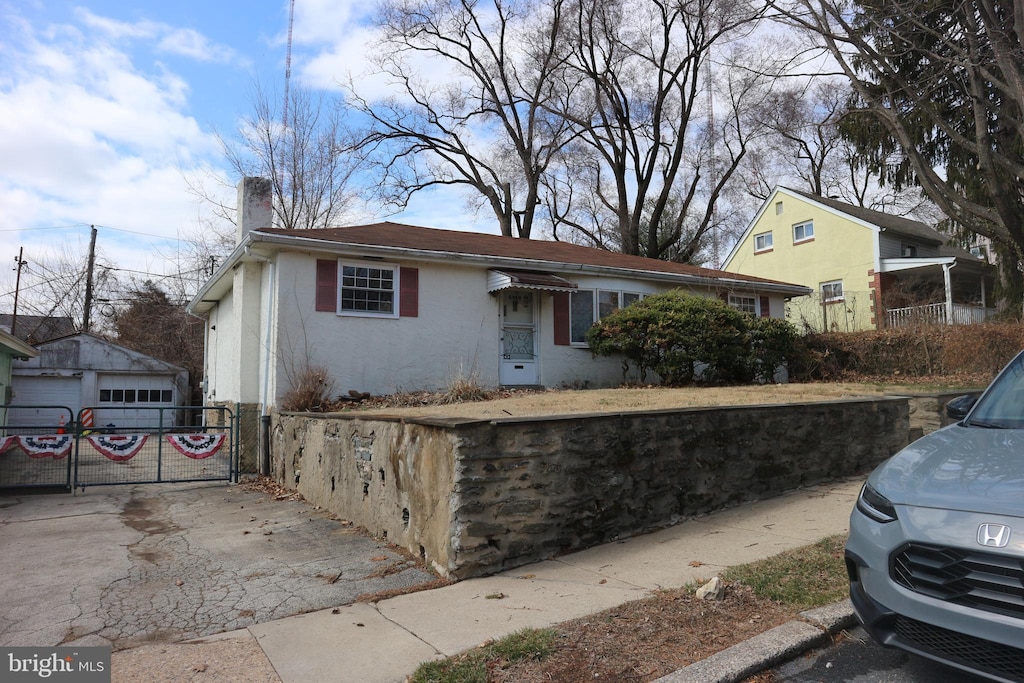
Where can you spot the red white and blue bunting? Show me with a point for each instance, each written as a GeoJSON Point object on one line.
{"type": "Point", "coordinates": [119, 447]}
{"type": "Point", "coordinates": [55, 446]}
{"type": "Point", "coordinates": [196, 446]}
{"type": "Point", "coordinates": [6, 441]}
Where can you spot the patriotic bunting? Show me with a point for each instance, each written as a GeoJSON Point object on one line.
{"type": "Point", "coordinates": [6, 441]}
{"type": "Point", "coordinates": [196, 446]}
{"type": "Point", "coordinates": [55, 446]}
{"type": "Point", "coordinates": [120, 447]}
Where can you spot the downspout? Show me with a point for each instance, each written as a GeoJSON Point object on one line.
{"type": "Point", "coordinates": [946, 267]}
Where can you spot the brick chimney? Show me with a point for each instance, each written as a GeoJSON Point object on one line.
{"type": "Point", "coordinates": [254, 206]}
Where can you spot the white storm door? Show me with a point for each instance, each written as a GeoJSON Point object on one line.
{"type": "Point", "coordinates": [518, 338]}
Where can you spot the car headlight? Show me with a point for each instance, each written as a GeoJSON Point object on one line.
{"type": "Point", "coordinates": [875, 505]}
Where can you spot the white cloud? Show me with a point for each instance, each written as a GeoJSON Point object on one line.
{"type": "Point", "coordinates": [184, 42]}
{"type": "Point", "coordinates": [189, 43]}
{"type": "Point", "coordinates": [87, 137]}
{"type": "Point", "coordinates": [115, 29]}
{"type": "Point", "coordinates": [321, 22]}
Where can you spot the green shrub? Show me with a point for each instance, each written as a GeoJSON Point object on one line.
{"type": "Point", "coordinates": [773, 342]}
{"type": "Point", "coordinates": [693, 339]}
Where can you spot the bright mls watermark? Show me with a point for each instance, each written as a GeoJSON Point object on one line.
{"type": "Point", "coordinates": [79, 664]}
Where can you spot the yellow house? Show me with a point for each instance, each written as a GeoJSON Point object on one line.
{"type": "Point", "coordinates": [867, 269]}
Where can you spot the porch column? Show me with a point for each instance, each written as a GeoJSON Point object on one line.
{"type": "Point", "coordinates": [946, 267]}
{"type": "Point", "coordinates": [984, 300]}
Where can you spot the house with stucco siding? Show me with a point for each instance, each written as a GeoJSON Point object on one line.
{"type": "Point", "coordinates": [866, 269]}
{"type": "Point", "coordinates": [386, 307]}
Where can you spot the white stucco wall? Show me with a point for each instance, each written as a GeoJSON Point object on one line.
{"type": "Point", "coordinates": [222, 364]}
{"type": "Point", "coordinates": [455, 333]}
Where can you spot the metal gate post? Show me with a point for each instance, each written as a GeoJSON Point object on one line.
{"type": "Point", "coordinates": [73, 467]}
{"type": "Point", "coordinates": [236, 441]}
{"type": "Point", "coordinates": [160, 444]}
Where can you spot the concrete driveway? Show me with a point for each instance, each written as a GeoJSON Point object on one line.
{"type": "Point", "coordinates": [128, 565]}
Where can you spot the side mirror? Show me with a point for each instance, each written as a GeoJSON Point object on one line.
{"type": "Point", "coordinates": [958, 408]}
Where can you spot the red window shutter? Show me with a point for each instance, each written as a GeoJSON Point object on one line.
{"type": "Point", "coordinates": [327, 285]}
{"type": "Point", "coordinates": [560, 303]}
{"type": "Point", "coordinates": [765, 308]}
{"type": "Point", "coordinates": [409, 296]}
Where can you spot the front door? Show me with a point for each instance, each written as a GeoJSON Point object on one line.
{"type": "Point", "coordinates": [518, 339]}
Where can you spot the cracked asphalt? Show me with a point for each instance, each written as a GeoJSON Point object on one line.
{"type": "Point", "coordinates": [124, 566]}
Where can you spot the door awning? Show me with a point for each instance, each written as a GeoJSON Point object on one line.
{"type": "Point", "coordinates": [498, 280]}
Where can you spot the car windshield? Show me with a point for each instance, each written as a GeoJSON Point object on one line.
{"type": "Point", "coordinates": [1002, 406]}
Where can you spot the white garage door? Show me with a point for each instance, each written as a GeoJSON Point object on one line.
{"type": "Point", "coordinates": [134, 401]}
{"type": "Point", "coordinates": [43, 391]}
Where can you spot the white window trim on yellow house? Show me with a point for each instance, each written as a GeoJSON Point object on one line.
{"type": "Point", "coordinates": [831, 292]}
{"type": "Point", "coordinates": [763, 242]}
{"type": "Point", "coordinates": [816, 254]}
{"type": "Point", "coordinates": [803, 232]}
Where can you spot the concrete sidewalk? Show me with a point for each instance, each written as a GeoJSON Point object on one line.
{"type": "Point", "coordinates": [386, 641]}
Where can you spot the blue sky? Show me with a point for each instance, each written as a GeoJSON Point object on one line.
{"type": "Point", "coordinates": [106, 107]}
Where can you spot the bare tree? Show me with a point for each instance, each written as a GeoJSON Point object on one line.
{"type": "Point", "coordinates": [310, 162]}
{"type": "Point", "coordinates": [53, 286]}
{"type": "Point", "coordinates": [592, 116]}
{"type": "Point", "coordinates": [488, 126]}
{"type": "Point", "coordinates": [808, 150]}
{"type": "Point", "coordinates": [150, 322]}
{"type": "Point", "coordinates": [658, 146]}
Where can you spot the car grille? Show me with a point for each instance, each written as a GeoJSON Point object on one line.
{"type": "Point", "coordinates": [980, 580]}
{"type": "Point", "coordinates": [976, 653]}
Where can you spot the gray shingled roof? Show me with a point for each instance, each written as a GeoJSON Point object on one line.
{"type": "Point", "coordinates": [897, 224]}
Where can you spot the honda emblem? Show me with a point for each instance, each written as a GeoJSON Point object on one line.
{"type": "Point", "coordinates": [994, 535]}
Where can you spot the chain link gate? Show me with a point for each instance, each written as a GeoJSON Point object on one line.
{"type": "Point", "coordinates": [151, 445]}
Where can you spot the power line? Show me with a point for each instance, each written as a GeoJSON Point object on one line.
{"type": "Point", "coordinates": [78, 226]}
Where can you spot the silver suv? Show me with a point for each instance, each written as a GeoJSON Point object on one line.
{"type": "Point", "coordinates": [936, 547]}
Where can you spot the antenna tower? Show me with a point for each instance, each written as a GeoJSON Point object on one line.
{"type": "Point", "coordinates": [288, 64]}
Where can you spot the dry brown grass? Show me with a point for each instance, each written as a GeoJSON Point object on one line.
{"type": "Point", "coordinates": [574, 402]}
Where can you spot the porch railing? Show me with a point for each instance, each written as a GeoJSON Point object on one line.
{"type": "Point", "coordinates": [963, 314]}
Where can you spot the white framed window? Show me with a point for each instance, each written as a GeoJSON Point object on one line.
{"type": "Point", "coordinates": [581, 315]}
{"type": "Point", "coordinates": [831, 291]}
{"type": "Point", "coordinates": [802, 232]}
{"type": "Point", "coordinates": [778, 208]}
{"type": "Point", "coordinates": [587, 306]}
{"type": "Point", "coordinates": [369, 289]}
{"type": "Point", "coordinates": [607, 303]}
{"type": "Point", "coordinates": [746, 304]}
{"type": "Point", "coordinates": [763, 241]}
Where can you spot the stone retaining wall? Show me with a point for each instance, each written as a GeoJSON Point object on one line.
{"type": "Point", "coordinates": [475, 497]}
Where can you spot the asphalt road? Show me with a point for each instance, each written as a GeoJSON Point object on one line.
{"type": "Point", "coordinates": [859, 659]}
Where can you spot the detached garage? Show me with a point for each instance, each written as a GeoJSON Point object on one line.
{"type": "Point", "coordinates": [123, 387]}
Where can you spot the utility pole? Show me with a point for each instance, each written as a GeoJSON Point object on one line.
{"type": "Point", "coordinates": [88, 280]}
{"type": "Point", "coordinates": [19, 264]}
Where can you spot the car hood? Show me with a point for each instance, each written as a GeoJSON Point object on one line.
{"type": "Point", "coordinates": [959, 468]}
